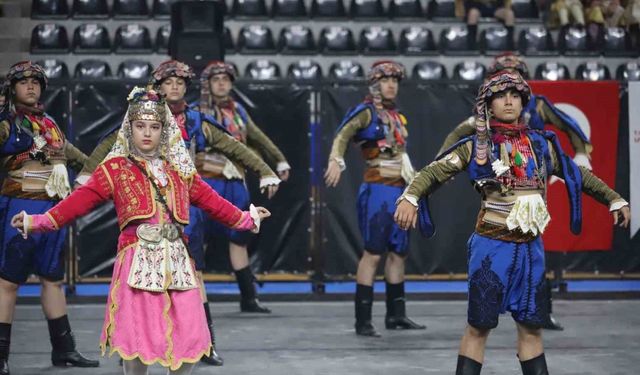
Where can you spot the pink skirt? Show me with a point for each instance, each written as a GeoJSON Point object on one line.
{"type": "Point", "coordinates": [168, 328]}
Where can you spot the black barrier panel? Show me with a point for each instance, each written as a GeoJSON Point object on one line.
{"type": "Point", "coordinates": [282, 111]}
{"type": "Point", "coordinates": [96, 238]}
{"type": "Point", "coordinates": [98, 106]}
{"type": "Point", "coordinates": [432, 110]}
{"type": "Point", "coordinates": [56, 103]}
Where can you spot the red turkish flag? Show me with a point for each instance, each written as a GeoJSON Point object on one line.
{"type": "Point", "coordinates": [596, 106]}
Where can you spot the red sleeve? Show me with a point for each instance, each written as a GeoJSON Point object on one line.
{"type": "Point", "coordinates": [98, 189]}
{"type": "Point", "coordinates": [204, 197]}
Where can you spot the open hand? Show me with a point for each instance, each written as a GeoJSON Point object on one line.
{"type": "Point", "coordinates": [332, 175]}
{"type": "Point", "coordinates": [622, 217]}
{"type": "Point", "coordinates": [406, 215]}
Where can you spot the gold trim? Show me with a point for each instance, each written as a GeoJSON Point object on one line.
{"type": "Point", "coordinates": [53, 221]}
{"type": "Point", "coordinates": [108, 176]}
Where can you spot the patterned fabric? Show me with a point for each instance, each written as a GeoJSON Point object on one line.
{"type": "Point", "coordinates": [172, 147]}
{"type": "Point", "coordinates": [376, 205]}
{"type": "Point", "coordinates": [386, 68]}
{"type": "Point", "coordinates": [506, 276]}
{"type": "Point", "coordinates": [26, 69]}
{"type": "Point", "coordinates": [510, 62]}
{"type": "Point", "coordinates": [378, 71]}
{"type": "Point", "coordinates": [214, 68]}
{"type": "Point", "coordinates": [493, 85]}
{"type": "Point", "coordinates": [172, 68]}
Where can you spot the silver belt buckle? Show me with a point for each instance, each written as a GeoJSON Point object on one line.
{"type": "Point", "coordinates": [170, 232]}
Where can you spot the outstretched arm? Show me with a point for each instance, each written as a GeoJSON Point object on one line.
{"type": "Point", "coordinates": [97, 190]}
{"type": "Point", "coordinates": [427, 180]}
{"type": "Point", "coordinates": [258, 140]}
{"type": "Point", "coordinates": [96, 157]}
{"type": "Point", "coordinates": [203, 196]}
{"type": "Point", "coordinates": [464, 129]}
{"type": "Point", "coordinates": [340, 143]}
{"type": "Point", "coordinates": [593, 186]}
{"type": "Point", "coordinates": [242, 154]}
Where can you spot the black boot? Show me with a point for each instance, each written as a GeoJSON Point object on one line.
{"type": "Point", "coordinates": [213, 358]}
{"type": "Point", "coordinates": [396, 317]}
{"type": "Point", "coordinates": [364, 304]}
{"type": "Point", "coordinates": [248, 295]}
{"type": "Point", "coordinates": [64, 347]}
{"type": "Point", "coordinates": [467, 366]}
{"type": "Point", "coordinates": [551, 323]}
{"type": "Point", "coordinates": [535, 366]}
{"type": "Point", "coordinates": [5, 341]}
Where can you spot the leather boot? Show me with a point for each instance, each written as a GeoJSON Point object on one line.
{"type": "Point", "coordinates": [396, 317]}
{"type": "Point", "coordinates": [213, 358]}
{"type": "Point", "coordinates": [552, 323]}
{"type": "Point", "coordinates": [248, 296]}
{"type": "Point", "coordinates": [535, 366]}
{"type": "Point", "coordinates": [64, 346]}
{"type": "Point", "coordinates": [468, 366]}
{"type": "Point", "coordinates": [5, 343]}
{"type": "Point", "coordinates": [364, 305]}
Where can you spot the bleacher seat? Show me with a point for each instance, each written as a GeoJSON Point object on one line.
{"type": "Point", "coordinates": [575, 42]}
{"type": "Point", "coordinates": [304, 70]}
{"type": "Point", "coordinates": [130, 9]}
{"type": "Point", "coordinates": [162, 39]}
{"type": "Point", "coordinates": [524, 9]}
{"type": "Point", "coordinates": [346, 70]}
{"type": "Point", "coordinates": [161, 9]}
{"type": "Point", "coordinates": [366, 9]}
{"type": "Point", "coordinates": [135, 69]}
{"type": "Point", "coordinates": [288, 9]}
{"type": "Point", "coordinates": [552, 71]}
{"type": "Point", "coordinates": [536, 41]}
{"type": "Point", "coordinates": [592, 71]}
{"type": "Point", "coordinates": [332, 9]}
{"type": "Point", "coordinates": [429, 70]}
{"type": "Point", "coordinates": [132, 38]}
{"type": "Point", "coordinates": [249, 9]}
{"type": "Point", "coordinates": [296, 39]}
{"type": "Point", "coordinates": [91, 38]}
{"type": "Point", "coordinates": [454, 40]}
{"type": "Point", "coordinates": [417, 40]}
{"type": "Point", "coordinates": [54, 68]}
{"type": "Point", "coordinates": [262, 70]}
{"type": "Point", "coordinates": [628, 72]}
{"type": "Point", "coordinates": [256, 39]}
{"type": "Point", "coordinates": [410, 9]}
{"type": "Point", "coordinates": [92, 69]}
{"type": "Point", "coordinates": [229, 45]}
{"type": "Point", "coordinates": [337, 40]}
{"type": "Point", "coordinates": [495, 40]}
{"type": "Point", "coordinates": [90, 9]}
{"type": "Point", "coordinates": [376, 40]}
{"type": "Point", "coordinates": [49, 38]}
{"type": "Point", "coordinates": [49, 9]}
{"type": "Point", "coordinates": [441, 10]}
{"type": "Point", "coordinates": [469, 71]}
{"type": "Point", "coordinates": [617, 43]}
